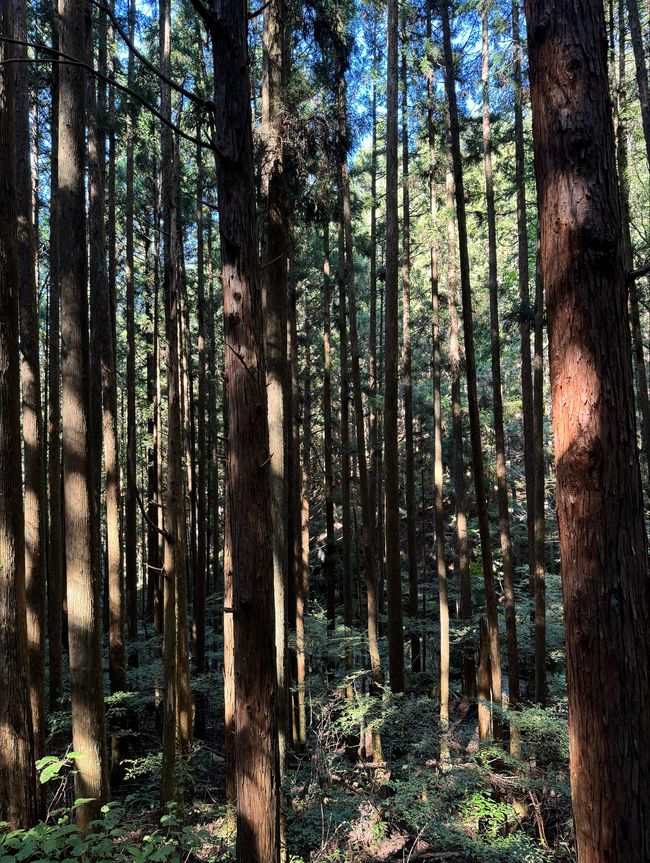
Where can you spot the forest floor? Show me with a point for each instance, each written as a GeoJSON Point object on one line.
{"type": "Point", "coordinates": [478, 803]}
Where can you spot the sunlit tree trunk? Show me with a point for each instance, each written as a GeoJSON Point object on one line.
{"type": "Point", "coordinates": [35, 501]}
{"type": "Point", "coordinates": [330, 546]}
{"type": "Point", "coordinates": [55, 533]}
{"type": "Point", "coordinates": [470, 362]}
{"type": "Point", "coordinates": [274, 293]}
{"type": "Point", "coordinates": [391, 358]}
{"type": "Point", "coordinates": [497, 396]}
{"type": "Point", "coordinates": [17, 776]}
{"type": "Point", "coordinates": [88, 725]}
{"type": "Point", "coordinates": [603, 546]}
{"type": "Point", "coordinates": [538, 425]}
{"type": "Point", "coordinates": [411, 506]}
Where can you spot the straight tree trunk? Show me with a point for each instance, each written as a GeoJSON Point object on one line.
{"type": "Point", "coordinates": [248, 483]}
{"type": "Point", "coordinates": [524, 294]}
{"type": "Point", "coordinates": [198, 609]}
{"type": "Point", "coordinates": [130, 531]}
{"type": "Point", "coordinates": [274, 302]}
{"type": "Point", "coordinates": [35, 500]}
{"type": "Point", "coordinates": [603, 546]}
{"type": "Point", "coordinates": [302, 582]}
{"type": "Point", "coordinates": [470, 361]}
{"type": "Point", "coordinates": [391, 354]}
{"type": "Point", "coordinates": [372, 383]}
{"type": "Point", "coordinates": [17, 775]}
{"type": "Point", "coordinates": [469, 664]}
{"type": "Point", "coordinates": [55, 533]}
{"type": "Point", "coordinates": [88, 724]}
{"type": "Point", "coordinates": [345, 437]}
{"type": "Point", "coordinates": [411, 505]}
{"type": "Point", "coordinates": [174, 548]}
{"type": "Point", "coordinates": [497, 397]}
{"type": "Point", "coordinates": [538, 405]}
{"type": "Point", "coordinates": [367, 510]}
{"type": "Point", "coordinates": [330, 542]}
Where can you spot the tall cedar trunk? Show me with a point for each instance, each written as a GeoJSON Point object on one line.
{"type": "Point", "coordinates": [102, 331]}
{"type": "Point", "coordinates": [17, 776]}
{"type": "Point", "coordinates": [603, 547]}
{"type": "Point", "coordinates": [274, 302]}
{"type": "Point", "coordinates": [411, 506]}
{"type": "Point", "coordinates": [469, 664]}
{"type": "Point", "coordinates": [248, 484]}
{"type": "Point", "coordinates": [302, 581]}
{"type": "Point", "coordinates": [35, 500]}
{"type": "Point", "coordinates": [158, 619]}
{"type": "Point", "coordinates": [88, 727]}
{"type": "Point", "coordinates": [228, 664]}
{"type": "Point", "coordinates": [524, 294]}
{"type": "Point", "coordinates": [636, 35]}
{"type": "Point", "coordinates": [295, 506]}
{"type": "Point", "coordinates": [439, 524]}
{"type": "Point", "coordinates": [213, 550]}
{"type": "Point", "coordinates": [538, 425]}
{"type": "Point", "coordinates": [497, 397]}
{"type": "Point", "coordinates": [130, 527]}
{"type": "Point", "coordinates": [179, 311]}
{"type": "Point", "coordinates": [470, 361]}
{"type": "Point", "coordinates": [330, 547]}
{"type": "Point", "coordinates": [154, 556]}
{"type": "Point", "coordinates": [200, 571]}
{"type": "Point", "coordinates": [345, 440]}
{"type": "Point", "coordinates": [55, 533]}
{"type": "Point", "coordinates": [95, 261]}
{"type": "Point", "coordinates": [391, 358]}
{"type": "Point", "coordinates": [373, 479]}
{"type": "Point", "coordinates": [367, 510]}
{"type": "Point", "coordinates": [174, 557]}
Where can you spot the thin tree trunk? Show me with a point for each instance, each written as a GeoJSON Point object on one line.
{"type": "Point", "coordinates": [411, 506]}
{"type": "Point", "coordinates": [345, 437]}
{"type": "Point", "coordinates": [198, 609]}
{"type": "Point", "coordinates": [274, 300]}
{"type": "Point", "coordinates": [35, 501]}
{"type": "Point", "coordinates": [130, 527]}
{"type": "Point", "coordinates": [330, 542]}
{"type": "Point", "coordinates": [174, 549]}
{"type": "Point", "coordinates": [55, 533]}
{"type": "Point", "coordinates": [391, 359]}
{"type": "Point", "coordinates": [497, 397]}
{"type": "Point", "coordinates": [17, 775]}
{"type": "Point", "coordinates": [302, 582]}
{"type": "Point", "coordinates": [470, 360]}
{"type": "Point", "coordinates": [603, 545]}
{"type": "Point", "coordinates": [88, 724]}
{"type": "Point", "coordinates": [373, 480]}
{"type": "Point", "coordinates": [540, 589]}
{"type": "Point", "coordinates": [524, 294]}
{"type": "Point", "coordinates": [469, 664]}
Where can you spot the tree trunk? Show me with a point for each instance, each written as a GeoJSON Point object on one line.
{"type": "Point", "coordinates": [130, 528]}
{"type": "Point", "coordinates": [603, 546]}
{"type": "Point", "coordinates": [35, 501]}
{"type": "Point", "coordinates": [469, 664]}
{"type": "Point", "coordinates": [302, 582]}
{"type": "Point", "coordinates": [411, 506]}
{"type": "Point", "coordinates": [470, 360]}
{"type": "Point", "coordinates": [17, 775]}
{"type": "Point", "coordinates": [248, 484]}
{"type": "Point", "coordinates": [55, 533]}
{"type": "Point", "coordinates": [330, 546]}
{"type": "Point", "coordinates": [538, 406]}
{"type": "Point", "coordinates": [88, 726]}
{"type": "Point", "coordinates": [391, 354]}
{"type": "Point", "coordinates": [345, 438]}
{"type": "Point", "coordinates": [274, 303]}
{"type": "Point", "coordinates": [497, 397]}
{"type": "Point", "coordinates": [524, 294]}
